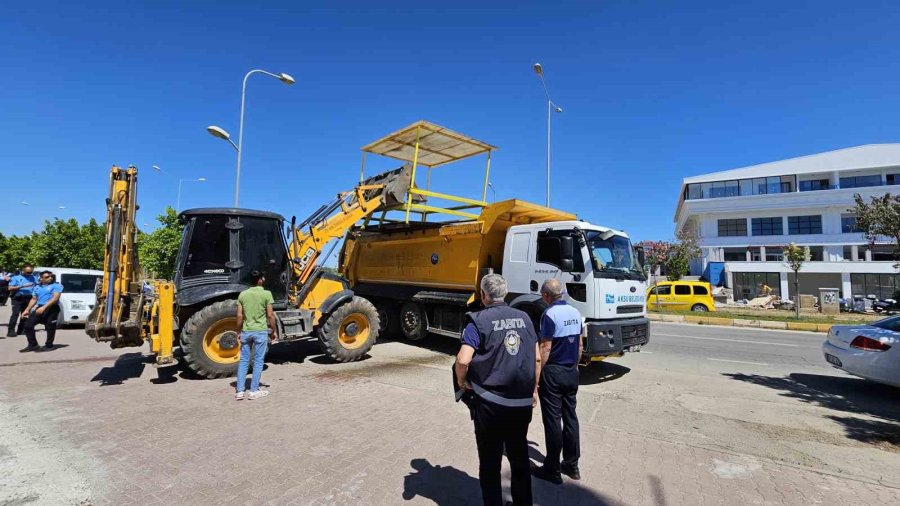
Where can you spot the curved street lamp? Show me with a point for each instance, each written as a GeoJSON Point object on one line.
{"type": "Point", "coordinates": [222, 134]}
{"type": "Point", "coordinates": [551, 106]}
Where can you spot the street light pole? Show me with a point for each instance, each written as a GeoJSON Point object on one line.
{"type": "Point", "coordinates": [178, 200]}
{"type": "Point", "coordinates": [539, 70]}
{"type": "Point", "coordinates": [285, 78]}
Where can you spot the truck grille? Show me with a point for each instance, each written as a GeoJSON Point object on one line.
{"type": "Point", "coordinates": [630, 309]}
{"type": "Point", "coordinates": [633, 335]}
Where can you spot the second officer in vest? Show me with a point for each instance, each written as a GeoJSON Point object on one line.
{"type": "Point", "coordinates": [500, 363]}
{"type": "Point", "coordinates": [560, 350]}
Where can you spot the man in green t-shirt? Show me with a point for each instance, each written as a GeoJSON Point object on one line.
{"type": "Point", "coordinates": [255, 317]}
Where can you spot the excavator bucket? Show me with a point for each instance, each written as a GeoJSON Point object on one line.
{"type": "Point", "coordinates": [396, 186]}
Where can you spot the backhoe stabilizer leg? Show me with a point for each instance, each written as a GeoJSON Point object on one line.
{"type": "Point", "coordinates": [162, 337]}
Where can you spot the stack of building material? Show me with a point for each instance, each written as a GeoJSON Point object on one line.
{"type": "Point", "coordinates": [766, 302]}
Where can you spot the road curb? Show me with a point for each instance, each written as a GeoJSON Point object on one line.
{"type": "Point", "coordinates": [739, 322]}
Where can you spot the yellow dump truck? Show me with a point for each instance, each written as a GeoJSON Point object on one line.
{"type": "Point", "coordinates": [422, 269]}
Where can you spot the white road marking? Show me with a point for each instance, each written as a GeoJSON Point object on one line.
{"type": "Point", "coordinates": [765, 343]}
{"type": "Point", "coordinates": [734, 361]}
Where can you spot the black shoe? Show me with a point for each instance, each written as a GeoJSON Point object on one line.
{"type": "Point", "coordinates": [570, 471]}
{"type": "Point", "coordinates": [29, 348]}
{"type": "Point", "coordinates": [10, 334]}
{"type": "Point", "coordinates": [547, 475]}
{"type": "Point", "coordinates": [45, 348]}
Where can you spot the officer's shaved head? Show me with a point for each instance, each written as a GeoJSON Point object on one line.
{"type": "Point", "coordinates": [494, 286]}
{"type": "Point", "coordinates": [552, 288]}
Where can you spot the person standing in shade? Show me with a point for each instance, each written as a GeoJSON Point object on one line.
{"type": "Point", "coordinates": [5, 277]}
{"type": "Point", "coordinates": [498, 361]}
{"type": "Point", "coordinates": [561, 348]}
{"type": "Point", "coordinates": [255, 318]}
{"type": "Point", "coordinates": [43, 308]}
{"type": "Point", "coordinates": [21, 289]}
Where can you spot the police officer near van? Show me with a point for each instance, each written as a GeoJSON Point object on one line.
{"type": "Point", "coordinates": [499, 363]}
{"type": "Point", "coordinates": [43, 308]}
{"type": "Point", "coordinates": [21, 289]}
{"type": "Point", "coordinates": [560, 348]}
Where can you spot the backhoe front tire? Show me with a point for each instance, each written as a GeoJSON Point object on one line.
{"type": "Point", "coordinates": [350, 331]}
{"type": "Point", "coordinates": [209, 340]}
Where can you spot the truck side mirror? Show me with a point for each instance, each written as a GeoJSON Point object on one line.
{"type": "Point", "coordinates": [567, 253]}
{"type": "Point", "coordinates": [642, 257]}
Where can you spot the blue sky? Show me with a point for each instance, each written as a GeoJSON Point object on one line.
{"type": "Point", "coordinates": [651, 92]}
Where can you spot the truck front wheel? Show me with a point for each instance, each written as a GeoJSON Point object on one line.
{"type": "Point", "coordinates": [413, 321]}
{"type": "Point", "coordinates": [209, 340]}
{"type": "Point", "coordinates": [350, 331]}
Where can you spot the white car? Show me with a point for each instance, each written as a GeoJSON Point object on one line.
{"type": "Point", "coordinates": [870, 351]}
{"type": "Point", "coordinates": [79, 296]}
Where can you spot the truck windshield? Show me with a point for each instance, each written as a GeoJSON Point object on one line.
{"type": "Point", "coordinates": [612, 254]}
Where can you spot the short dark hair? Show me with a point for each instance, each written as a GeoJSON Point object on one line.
{"type": "Point", "coordinates": [47, 273]}
{"type": "Point", "coordinates": [256, 275]}
{"type": "Point", "coordinates": [26, 264]}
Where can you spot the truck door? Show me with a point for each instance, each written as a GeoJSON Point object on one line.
{"type": "Point", "coordinates": [559, 255]}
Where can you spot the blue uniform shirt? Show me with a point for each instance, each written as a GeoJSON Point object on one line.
{"type": "Point", "coordinates": [45, 292]}
{"type": "Point", "coordinates": [22, 279]}
{"type": "Point", "coordinates": [561, 324]}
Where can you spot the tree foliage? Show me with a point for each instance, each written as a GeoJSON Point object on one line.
{"type": "Point", "coordinates": [158, 250]}
{"type": "Point", "coordinates": [674, 257]}
{"type": "Point", "coordinates": [794, 257]}
{"type": "Point", "coordinates": [61, 243]}
{"type": "Point", "coordinates": [879, 218]}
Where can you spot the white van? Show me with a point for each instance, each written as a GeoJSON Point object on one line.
{"type": "Point", "coordinates": [79, 295]}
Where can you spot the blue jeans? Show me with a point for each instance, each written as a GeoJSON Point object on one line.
{"type": "Point", "coordinates": [259, 340]}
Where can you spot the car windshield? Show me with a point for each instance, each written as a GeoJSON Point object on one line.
{"type": "Point", "coordinates": [79, 283]}
{"type": "Point", "coordinates": [612, 254]}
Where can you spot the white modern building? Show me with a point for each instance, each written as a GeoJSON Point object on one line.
{"type": "Point", "coordinates": [744, 217]}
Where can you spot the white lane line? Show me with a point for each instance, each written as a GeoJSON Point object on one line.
{"type": "Point", "coordinates": [764, 343]}
{"type": "Point", "coordinates": [735, 361]}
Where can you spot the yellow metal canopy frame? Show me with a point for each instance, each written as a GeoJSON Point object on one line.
{"type": "Point", "coordinates": [430, 145]}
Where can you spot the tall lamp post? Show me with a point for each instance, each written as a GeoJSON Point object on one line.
{"type": "Point", "coordinates": [180, 182]}
{"type": "Point", "coordinates": [222, 134]}
{"type": "Point", "coordinates": [551, 106]}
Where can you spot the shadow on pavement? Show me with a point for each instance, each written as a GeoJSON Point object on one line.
{"type": "Point", "coordinates": [851, 395]}
{"type": "Point", "coordinates": [602, 372]}
{"type": "Point", "coordinates": [446, 485]}
{"type": "Point", "coordinates": [293, 352]}
{"type": "Point", "coordinates": [127, 366]}
{"type": "Point", "coordinates": [441, 344]}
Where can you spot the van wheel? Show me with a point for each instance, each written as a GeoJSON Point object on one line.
{"type": "Point", "coordinates": [699, 308]}
{"type": "Point", "coordinates": [413, 321]}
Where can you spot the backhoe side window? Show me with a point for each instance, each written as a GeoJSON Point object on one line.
{"type": "Point", "coordinates": [209, 249]}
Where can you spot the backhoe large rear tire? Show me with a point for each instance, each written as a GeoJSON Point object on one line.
{"type": "Point", "coordinates": [350, 331]}
{"type": "Point", "coordinates": [209, 340]}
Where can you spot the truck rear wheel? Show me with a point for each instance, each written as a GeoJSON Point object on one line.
{"type": "Point", "coordinates": [210, 341]}
{"type": "Point", "coordinates": [350, 331]}
{"type": "Point", "coordinates": [389, 318]}
{"type": "Point", "coordinates": [413, 321]}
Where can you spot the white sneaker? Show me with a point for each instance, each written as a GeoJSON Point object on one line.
{"type": "Point", "coordinates": [239, 396]}
{"type": "Point", "coordinates": [257, 394]}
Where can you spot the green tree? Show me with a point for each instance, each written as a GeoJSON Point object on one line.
{"type": "Point", "coordinates": [879, 218]}
{"type": "Point", "coordinates": [158, 250]}
{"type": "Point", "coordinates": [681, 253]}
{"type": "Point", "coordinates": [794, 256]}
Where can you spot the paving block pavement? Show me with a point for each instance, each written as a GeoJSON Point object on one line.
{"type": "Point", "coordinates": [100, 426]}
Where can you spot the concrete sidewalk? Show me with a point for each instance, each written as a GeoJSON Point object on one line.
{"type": "Point", "coordinates": [89, 425]}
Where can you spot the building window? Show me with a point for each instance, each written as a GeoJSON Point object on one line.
{"type": "Point", "coordinates": [735, 254]}
{"type": "Point", "coordinates": [848, 224]}
{"type": "Point", "coordinates": [883, 286]}
{"type": "Point", "coordinates": [693, 192]}
{"type": "Point", "coordinates": [861, 181]}
{"type": "Point", "coordinates": [749, 285]}
{"type": "Point", "coordinates": [767, 226]}
{"type": "Point", "coordinates": [755, 255]}
{"type": "Point", "coordinates": [805, 225]}
{"type": "Point", "coordinates": [774, 254]}
{"type": "Point", "coordinates": [883, 253]}
{"type": "Point", "coordinates": [733, 227]}
{"type": "Point", "coordinates": [817, 253]}
{"type": "Point", "coordinates": [814, 184]}
{"type": "Point", "coordinates": [848, 253]}
{"type": "Point", "coordinates": [893, 179]}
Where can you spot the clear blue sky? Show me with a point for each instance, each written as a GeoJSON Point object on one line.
{"type": "Point", "coordinates": [651, 91]}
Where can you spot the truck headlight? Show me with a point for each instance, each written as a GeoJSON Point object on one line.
{"type": "Point", "coordinates": [78, 304]}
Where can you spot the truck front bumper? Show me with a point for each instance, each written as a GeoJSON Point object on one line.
{"type": "Point", "coordinates": [615, 337]}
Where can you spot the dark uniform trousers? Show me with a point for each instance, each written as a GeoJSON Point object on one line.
{"type": "Point", "coordinates": [498, 427]}
{"type": "Point", "coordinates": [18, 305]}
{"type": "Point", "coordinates": [48, 318]}
{"type": "Point", "coordinates": [557, 391]}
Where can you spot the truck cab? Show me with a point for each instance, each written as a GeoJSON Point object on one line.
{"type": "Point", "coordinates": [601, 273]}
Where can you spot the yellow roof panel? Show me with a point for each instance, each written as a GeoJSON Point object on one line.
{"type": "Point", "coordinates": [437, 145]}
